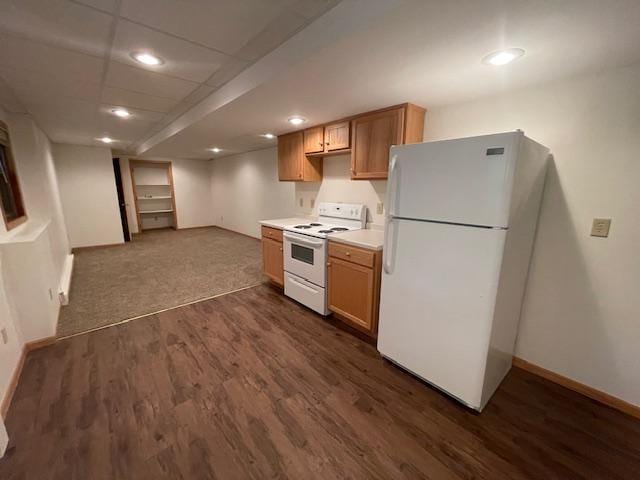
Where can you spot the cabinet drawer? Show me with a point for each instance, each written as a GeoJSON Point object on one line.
{"type": "Point", "coordinates": [357, 255]}
{"type": "Point", "coordinates": [272, 233]}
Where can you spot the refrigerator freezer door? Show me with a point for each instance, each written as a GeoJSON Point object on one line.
{"type": "Point", "coordinates": [437, 302]}
{"type": "Point", "coordinates": [466, 181]}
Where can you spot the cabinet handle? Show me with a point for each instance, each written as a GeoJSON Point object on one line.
{"type": "Point", "coordinates": [347, 254]}
{"type": "Point", "coordinates": [328, 264]}
{"type": "Point", "coordinates": [327, 143]}
{"type": "Point", "coordinates": [280, 248]}
{"type": "Point", "coordinates": [320, 143]}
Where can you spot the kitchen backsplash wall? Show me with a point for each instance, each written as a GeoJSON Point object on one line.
{"type": "Point", "coordinates": [337, 186]}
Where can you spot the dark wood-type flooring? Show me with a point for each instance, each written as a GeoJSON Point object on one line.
{"type": "Point", "coordinates": [252, 385]}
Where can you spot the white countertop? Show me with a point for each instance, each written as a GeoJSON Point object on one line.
{"type": "Point", "coordinates": [284, 222]}
{"type": "Point", "coordinates": [371, 239]}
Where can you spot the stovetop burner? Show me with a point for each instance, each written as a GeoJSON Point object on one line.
{"type": "Point", "coordinates": [339, 229]}
{"type": "Point", "coordinates": [315, 224]}
{"type": "Point", "coordinates": [325, 231]}
{"type": "Point", "coordinates": [304, 227]}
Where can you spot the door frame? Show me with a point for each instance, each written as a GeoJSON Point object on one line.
{"type": "Point", "coordinates": [122, 206]}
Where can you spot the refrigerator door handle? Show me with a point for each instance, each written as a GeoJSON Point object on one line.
{"type": "Point", "coordinates": [393, 168]}
{"type": "Point", "coordinates": [388, 252]}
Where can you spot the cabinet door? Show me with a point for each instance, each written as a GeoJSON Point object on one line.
{"type": "Point", "coordinates": [273, 260]}
{"type": "Point", "coordinates": [290, 156]}
{"type": "Point", "coordinates": [373, 135]}
{"type": "Point", "coordinates": [336, 136]}
{"type": "Point", "coordinates": [314, 140]}
{"type": "Point", "coordinates": [352, 292]}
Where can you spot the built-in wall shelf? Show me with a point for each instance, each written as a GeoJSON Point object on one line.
{"type": "Point", "coordinates": [153, 192]}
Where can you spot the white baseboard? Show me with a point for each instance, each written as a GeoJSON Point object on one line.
{"type": "Point", "coordinates": [65, 280]}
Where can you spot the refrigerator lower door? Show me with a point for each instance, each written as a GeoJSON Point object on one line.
{"type": "Point", "coordinates": [438, 294]}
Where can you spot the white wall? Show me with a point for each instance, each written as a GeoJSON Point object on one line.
{"type": "Point", "coordinates": [192, 187]}
{"type": "Point", "coordinates": [245, 189]}
{"type": "Point", "coordinates": [337, 186]}
{"type": "Point", "coordinates": [31, 255]}
{"type": "Point", "coordinates": [88, 193]}
{"type": "Point", "coordinates": [582, 309]}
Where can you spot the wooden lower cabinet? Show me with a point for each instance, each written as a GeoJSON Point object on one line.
{"type": "Point", "coordinates": [354, 286]}
{"type": "Point", "coordinates": [273, 260]}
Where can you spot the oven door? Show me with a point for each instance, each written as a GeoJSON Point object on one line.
{"type": "Point", "coordinates": [305, 257]}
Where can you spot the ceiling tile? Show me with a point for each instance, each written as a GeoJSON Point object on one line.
{"type": "Point", "coordinates": [276, 32]}
{"type": "Point", "coordinates": [27, 83]}
{"type": "Point", "coordinates": [128, 98]}
{"type": "Point", "coordinates": [8, 100]}
{"type": "Point", "coordinates": [312, 8]}
{"type": "Point", "coordinates": [104, 5]}
{"type": "Point", "coordinates": [228, 71]}
{"type": "Point", "coordinates": [49, 61]}
{"type": "Point", "coordinates": [144, 81]}
{"type": "Point", "coordinates": [182, 59]}
{"type": "Point", "coordinates": [137, 116]}
{"type": "Point", "coordinates": [221, 24]}
{"type": "Point", "coordinates": [57, 22]}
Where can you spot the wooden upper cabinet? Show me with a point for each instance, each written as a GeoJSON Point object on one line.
{"type": "Point", "coordinates": [314, 140]}
{"type": "Point", "coordinates": [336, 136]}
{"type": "Point", "coordinates": [367, 137]}
{"type": "Point", "coordinates": [375, 133]}
{"type": "Point", "coordinates": [293, 164]}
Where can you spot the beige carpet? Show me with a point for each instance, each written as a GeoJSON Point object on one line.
{"type": "Point", "coordinates": [157, 270]}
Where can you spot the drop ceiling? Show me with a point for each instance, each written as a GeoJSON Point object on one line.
{"type": "Point", "coordinates": [68, 62]}
{"type": "Point", "coordinates": [235, 69]}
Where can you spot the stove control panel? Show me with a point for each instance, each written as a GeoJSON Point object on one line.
{"type": "Point", "coordinates": [344, 211]}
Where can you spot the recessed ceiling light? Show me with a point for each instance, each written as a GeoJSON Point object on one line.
{"type": "Point", "coordinates": [297, 120]}
{"type": "Point", "coordinates": [502, 57]}
{"type": "Point", "coordinates": [106, 140]}
{"type": "Point", "coordinates": [147, 58]}
{"type": "Point", "coordinates": [269, 135]}
{"type": "Point", "coordinates": [121, 112]}
{"type": "Point", "coordinates": [215, 150]}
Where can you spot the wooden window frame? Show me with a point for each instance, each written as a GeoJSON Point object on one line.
{"type": "Point", "coordinates": [14, 181]}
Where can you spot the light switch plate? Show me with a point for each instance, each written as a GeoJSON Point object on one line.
{"type": "Point", "coordinates": [5, 338]}
{"type": "Point", "coordinates": [312, 202]}
{"type": "Point", "coordinates": [600, 227]}
{"type": "Point", "coordinates": [301, 202]}
{"type": "Point", "coordinates": [380, 208]}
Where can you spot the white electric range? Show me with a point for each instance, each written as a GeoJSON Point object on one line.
{"type": "Point", "coordinates": [305, 251]}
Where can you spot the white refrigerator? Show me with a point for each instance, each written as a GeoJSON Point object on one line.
{"type": "Point", "coordinates": [459, 233]}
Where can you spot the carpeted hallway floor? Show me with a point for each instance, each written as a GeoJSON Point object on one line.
{"type": "Point", "coordinates": [157, 270]}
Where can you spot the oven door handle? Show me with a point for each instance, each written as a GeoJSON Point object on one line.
{"type": "Point", "coordinates": [302, 241]}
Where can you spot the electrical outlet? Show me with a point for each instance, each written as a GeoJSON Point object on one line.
{"type": "Point", "coordinates": [600, 227]}
{"type": "Point", "coordinates": [221, 218]}
{"type": "Point", "coordinates": [50, 295]}
{"type": "Point", "coordinates": [5, 337]}
{"type": "Point", "coordinates": [301, 202]}
{"type": "Point", "coordinates": [312, 202]}
{"type": "Point", "coordinates": [380, 208]}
